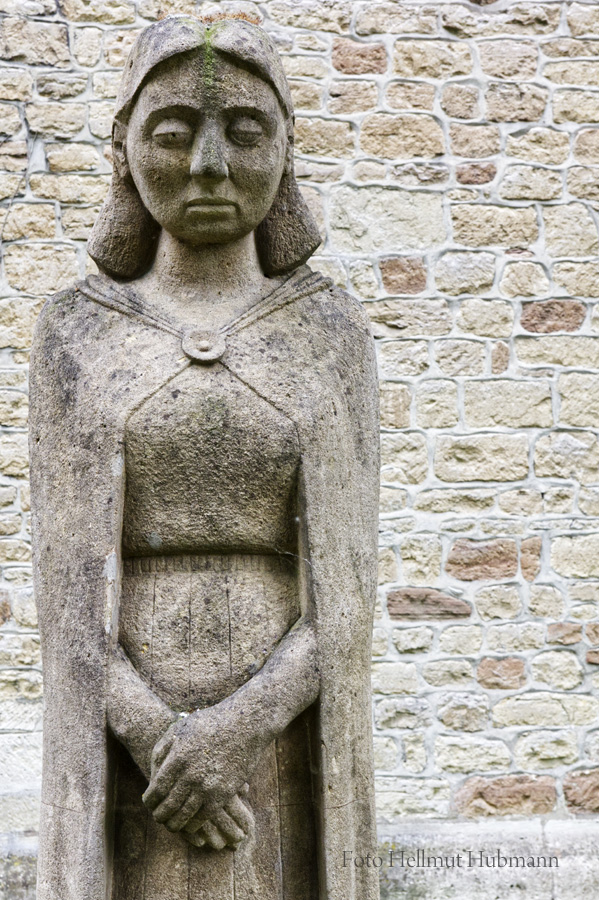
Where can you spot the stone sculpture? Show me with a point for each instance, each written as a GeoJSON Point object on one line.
{"type": "Point", "coordinates": [204, 472]}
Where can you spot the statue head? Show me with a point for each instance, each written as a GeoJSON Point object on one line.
{"type": "Point", "coordinates": [203, 147]}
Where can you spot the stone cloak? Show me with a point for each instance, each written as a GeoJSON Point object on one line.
{"type": "Point", "coordinates": [91, 367]}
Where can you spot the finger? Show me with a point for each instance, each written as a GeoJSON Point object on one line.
{"type": "Point", "coordinates": [162, 783]}
{"type": "Point", "coordinates": [186, 811]}
{"type": "Point", "coordinates": [197, 839]}
{"type": "Point", "coordinates": [227, 826]}
{"type": "Point", "coordinates": [213, 836]}
{"type": "Point", "coordinates": [174, 802]}
{"type": "Point", "coordinates": [160, 751]}
{"type": "Point", "coordinates": [238, 811]}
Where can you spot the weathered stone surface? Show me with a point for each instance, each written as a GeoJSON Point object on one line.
{"type": "Point", "coordinates": [436, 404]}
{"type": "Point", "coordinates": [459, 357]}
{"type": "Point", "coordinates": [403, 458]}
{"type": "Point", "coordinates": [421, 558]}
{"type": "Point", "coordinates": [583, 19]}
{"type": "Point", "coordinates": [397, 797]}
{"type": "Point", "coordinates": [570, 230]}
{"type": "Point", "coordinates": [576, 556]}
{"type": "Point", "coordinates": [379, 219]}
{"type": "Point", "coordinates": [324, 137]}
{"type": "Point", "coordinates": [461, 639]}
{"type": "Point", "coordinates": [515, 638]}
{"type": "Point", "coordinates": [558, 669]}
{"type": "Point", "coordinates": [395, 405]}
{"type": "Point", "coordinates": [481, 457]}
{"type": "Point", "coordinates": [566, 454]}
{"type": "Point", "coordinates": [25, 220]}
{"type": "Point", "coordinates": [582, 182]}
{"type": "Point", "coordinates": [501, 601]}
{"type": "Point", "coordinates": [401, 136]}
{"type": "Point", "coordinates": [353, 58]}
{"type": "Point", "coordinates": [402, 712]}
{"type": "Point", "coordinates": [481, 225]}
{"type": "Point", "coordinates": [518, 18]}
{"type": "Point", "coordinates": [460, 101]}
{"type": "Point", "coordinates": [464, 712]}
{"type": "Point", "coordinates": [431, 59]}
{"type": "Point", "coordinates": [411, 640]}
{"type": "Point", "coordinates": [403, 358]}
{"type": "Point", "coordinates": [586, 146]}
{"type": "Point", "coordinates": [564, 633]}
{"type": "Point", "coordinates": [516, 102]}
{"type": "Point", "coordinates": [318, 15]}
{"type": "Point", "coordinates": [40, 268]}
{"type": "Point", "coordinates": [546, 750]}
{"type": "Point", "coordinates": [465, 272]}
{"type": "Point", "coordinates": [546, 709]}
{"type": "Point", "coordinates": [524, 795]}
{"type": "Point", "coordinates": [581, 790]}
{"type": "Point", "coordinates": [553, 315]}
{"type": "Point", "coordinates": [384, 17]}
{"type": "Point", "coordinates": [541, 145]}
{"type": "Point", "coordinates": [503, 674]}
{"type": "Point", "coordinates": [448, 672]}
{"type": "Point", "coordinates": [530, 557]}
{"type": "Point", "coordinates": [410, 95]}
{"type": "Point", "coordinates": [394, 678]}
{"type": "Point", "coordinates": [476, 173]}
{"type": "Point", "coordinates": [403, 274]}
{"type": "Point", "coordinates": [56, 119]}
{"type": "Point", "coordinates": [530, 183]}
{"type": "Point", "coordinates": [425, 603]}
{"type": "Point", "coordinates": [474, 560]}
{"type": "Point", "coordinates": [345, 97]}
{"type": "Point", "coordinates": [509, 59]}
{"type": "Point", "coordinates": [579, 395]}
{"type": "Point", "coordinates": [474, 141]}
{"type": "Point", "coordinates": [470, 754]}
{"type": "Point", "coordinates": [515, 404]}
{"type": "Point", "coordinates": [581, 107]}
{"type": "Point", "coordinates": [546, 601]}
{"type": "Point", "coordinates": [34, 43]}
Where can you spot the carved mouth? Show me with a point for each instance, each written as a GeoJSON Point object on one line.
{"type": "Point", "coordinates": [210, 201]}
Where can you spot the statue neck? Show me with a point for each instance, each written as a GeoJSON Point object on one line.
{"type": "Point", "coordinates": [186, 275]}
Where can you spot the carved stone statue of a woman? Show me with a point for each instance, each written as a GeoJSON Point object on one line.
{"type": "Point", "coordinates": [204, 476]}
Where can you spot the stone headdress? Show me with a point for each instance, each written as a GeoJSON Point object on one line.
{"type": "Point", "coordinates": [124, 238]}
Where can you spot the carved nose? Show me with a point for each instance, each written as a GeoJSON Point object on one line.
{"type": "Point", "coordinates": [208, 159]}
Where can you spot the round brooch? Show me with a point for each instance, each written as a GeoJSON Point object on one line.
{"type": "Point", "coordinates": [202, 345]}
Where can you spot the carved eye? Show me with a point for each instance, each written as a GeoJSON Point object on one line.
{"type": "Point", "coordinates": [245, 131]}
{"type": "Point", "coordinates": [172, 133]}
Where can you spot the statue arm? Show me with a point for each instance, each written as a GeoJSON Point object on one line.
{"type": "Point", "coordinates": [136, 715]}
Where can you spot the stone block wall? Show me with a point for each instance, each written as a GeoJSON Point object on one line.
{"type": "Point", "coordinates": [450, 151]}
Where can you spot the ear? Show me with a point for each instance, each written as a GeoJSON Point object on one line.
{"type": "Point", "coordinates": [119, 150]}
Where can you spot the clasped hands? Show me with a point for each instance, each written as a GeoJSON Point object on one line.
{"type": "Point", "coordinates": [200, 769]}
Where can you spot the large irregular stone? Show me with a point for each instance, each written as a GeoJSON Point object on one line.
{"type": "Point", "coordinates": [503, 674]}
{"type": "Point", "coordinates": [391, 136]}
{"type": "Point", "coordinates": [581, 790]}
{"type": "Point", "coordinates": [425, 603]}
{"type": "Point", "coordinates": [523, 795]}
{"type": "Point", "coordinates": [475, 560]}
{"type": "Point", "coordinates": [482, 457]}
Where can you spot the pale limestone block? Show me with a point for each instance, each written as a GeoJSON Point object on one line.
{"type": "Point", "coordinates": [87, 46]}
{"type": "Point", "coordinates": [464, 272]}
{"type": "Point", "coordinates": [530, 183]}
{"type": "Point", "coordinates": [436, 404]}
{"type": "Point", "coordinates": [403, 458]}
{"type": "Point", "coordinates": [395, 400]}
{"type": "Point", "coordinates": [570, 230]}
{"type": "Point", "coordinates": [402, 712]}
{"type": "Point", "coordinates": [500, 601]}
{"type": "Point", "coordinates": [586, 146]}
{"type": "Point", "coordinates": [29, 220]}
{"type": "Point", "coordinates": [514, 638]}
{"type": "Point", "coordinates": [363, 278]}
{"type": "Point", "coordinates": [582, 182]}
{"type": "Point", "coordinates": [412, 640]}
{"type": "Point", "coordinates": [17, 318]}
{"type": "Point", "coordinates": [40, 268]}
{"type": "Point", "coordinates": [109, 12]}
{"type": "Point", "coordinates": [482, 457]}
{"type": "Point", "coordinates": [117, 45]}
{"type": "Point", "coordinates": [403, 358]}
{"type": "Point", "coordinates": [558, 350]}
{"type": "Point", "coordinates": [474, 141]}
{"type": "Point", "coordinates": [480, 225]}
{"type": "Point", "coordinates": [541, 145]}
{"type": "Point", "coordinates": [305, 67]}
{"type": "Point", "coordinates": [394, 678]}
{"type": "Point", "coordinates": [19, 649]}
{"type": "Point", "coordinates": [583, 18]}
{"type": "Point", "coordinates": [545, 601]}
{"type": "Point", "coordinates": [387, 565]}
{"type": "Point", "coordinates": [502, 401]}
{"type": "Point", "coordinates": [521, 502]}
{"type": "Point", "coordinates": [578, 72]}
{"type": "Point", "coordinates": [461, 639]}
{"type": "Point", "coordinates": [15, 84]}
{"type": "Point", "coordinates": [546, 750]}
{"type": "Point", "coordinates": [450, 500]}
{"type": "Point", "coordinates": [431, 59]}
{"type": "Point", "coordinates": [509, 58]}
{"type": "Point", "coordinates": [421, 559]}
{"type": "Point", "coordinates": [401, 136]}
{"type": "Point", "coordinates": [313, 15]}
{"type": "Point", "coordinates": [378, 219]}
{"type": "Point", "coordinates": [576, 556]}
{"type": "Point", "coordinates": [24, 609]}
{"type": "Point", "coordinates": [380, 642]}
{"type": "Point", "coordinates": [418, 797]}
{"type": "Point", "coordinates": [17, 684]}
{"type": "Point", "coordinates": [70, 188]}
{"type": "Point", "coordinates": [524, 279]}
{"type": "Point", "coordinates": [539, 708]}
{"type": "Point", "coordinates": [579, 394]}
{"type": "Point", "coordinates": [385, 753]}
{"type": "Point", "coordinates": [462, 754]}
{"type": "Point", "coordinates": [488, 318]}
{"type": "Point", "coordinates": [72, 157]}
{"type": "Point", "coordinates": [34, 43]}
{"type": "Point", "coordinates": [464, 712]}
{"type": "Point", "coordinates": [558, 669]}
{"type": "Point", "coordinates": [409, 317]}
{"type": "Point", "coordinates": [414, 753]}
{"type": "Point", "coordinates": [581, 107]}
{"type": "Point", "coordinates": [384, 17]}
{"type": "Point", "coordinates": [516, 18]}
{"type": "Point", "coordinates": [56, 119]}
{"type": "Point", "coordinates": [448, 672]}
{"type": "Point", "coordinates": [460, 357]}
{"type": "Point", "coordinates": [410, 95]}
{"type": "Point", "coordinates": [10, 120]}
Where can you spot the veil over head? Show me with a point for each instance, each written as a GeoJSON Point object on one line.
{"type": "Point", "coordinates": [124, 238]}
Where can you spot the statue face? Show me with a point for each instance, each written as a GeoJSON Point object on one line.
{"type": "Point", "coordinates": [206, 146]}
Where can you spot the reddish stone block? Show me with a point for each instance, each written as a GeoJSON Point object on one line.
{"type": "Point", "coordinates": [543, 317]}
{"type": "Point", "coordinates": [403, 274]}
{"type": "Point", "coordinates": [353, 58]}
{"type": "Point", "coordinates": [581, 790]}
{"type": "Point", "coordinates": [530, 557]}
{"type": "Point", "coordinates": [476, 173]}
{"type": "Point", "coordinates": [425, 603]}
{"type": "Point", "coordinates": [501, 674]}
{"type": "Point", "coordinates": [564, 633]}
{"type": "Point", "coordinates": [524, 795]}
{"type": "Point", "coordinates": [592, 632]}
{"type": "Point", "coordinates": [476, 560]}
